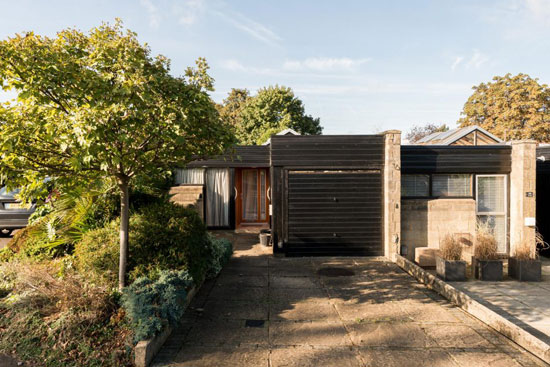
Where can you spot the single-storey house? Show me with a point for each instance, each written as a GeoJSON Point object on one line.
{"type": "Point", "coordinates": [368, 194]}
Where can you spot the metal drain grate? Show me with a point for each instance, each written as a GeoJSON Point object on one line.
{"type": "Point", "coordinates": [335, 272]}
{"type": "Point", "coordinates": [254, 323]}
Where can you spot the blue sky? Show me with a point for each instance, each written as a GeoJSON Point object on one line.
{"type": "Point", "coordinates": [361, 66]}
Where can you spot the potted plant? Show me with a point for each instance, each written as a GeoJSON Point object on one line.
{"type": "Point", "coordinates": [485, 263]}
{"type": "Point", "coordinates": [448, 263]}
{"type": "Point", "coordinates": [525, 264]}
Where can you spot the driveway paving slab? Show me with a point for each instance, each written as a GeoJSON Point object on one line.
{"type": "Point", "coordinates": [271, 311]}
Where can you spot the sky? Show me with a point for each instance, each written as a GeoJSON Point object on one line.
{"type": "Point", "coordinates": [360, 66]}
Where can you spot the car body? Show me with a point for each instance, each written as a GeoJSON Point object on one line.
{"type": "Point", "coordinates": [13, 214]}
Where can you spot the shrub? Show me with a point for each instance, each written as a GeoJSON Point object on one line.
{"type": "Point", "coordinates": [220, 252]}
{"type": "Point", "coordinates": [97, 254]}
{"type": "Point", "coordinates": [49, 320]}
{"type": "Point", "coordinates": [151, 304]}
{"type": "Point", "coordinates": [450, 249]}
{"type": "Point", "coordinates": [168, 236]}
{"type": "Point", "coordinates": [486, 246]}
{"type": "Point", "coordinates": [32, 243]}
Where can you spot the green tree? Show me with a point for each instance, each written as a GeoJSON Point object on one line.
{"type": "Point", "coordinates": [420, 131]}
{"type": "Point", "coordinates": [98, 106]}
{"type": "Point", "coordinates": [230, 109]}
{"type": "Point", "coordinates": [511, 107]}
{"type": "Point", "coordinates": [273, 109]}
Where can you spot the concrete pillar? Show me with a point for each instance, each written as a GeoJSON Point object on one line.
{"type": "Point", "coordinates": [392, 193]}
{"type": "Point", "coordinates": [523, 183]}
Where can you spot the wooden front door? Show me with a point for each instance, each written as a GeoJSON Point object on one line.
{"type": "Point", "coordinates": [252, 199]}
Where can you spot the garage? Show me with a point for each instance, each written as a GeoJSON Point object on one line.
{"type": "Point", "coordinates": [327, 195]}
{"type": "Point", "coordinates": [334, 212]}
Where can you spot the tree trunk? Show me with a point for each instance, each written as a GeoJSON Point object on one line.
{"type": "Point", "coordinates": [124, 224]}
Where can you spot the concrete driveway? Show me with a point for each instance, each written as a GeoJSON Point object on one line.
{"type": "Point", "coordinates": [269, 311]}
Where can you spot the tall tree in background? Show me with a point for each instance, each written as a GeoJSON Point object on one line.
{"type": "Point", "coordinates": [231, 108]}
{"type": "Point", "coordinates": [511, 107]}
{"type": "Point", "coordinates": [273, 109]}
{"type": "Point", "coordinates": [98, 106]}
{"type": "Point", "coordinates": [419, 131]}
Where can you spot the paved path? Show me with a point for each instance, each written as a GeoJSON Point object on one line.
{"type": "Point", "coordinates": [270, 312]}
{"type": "Point", "coordinates": [527, 304]}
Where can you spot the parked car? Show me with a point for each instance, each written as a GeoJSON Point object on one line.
{"type": "Point", "coordinates": [13, 214]}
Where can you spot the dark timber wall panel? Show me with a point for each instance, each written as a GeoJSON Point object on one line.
{"type": "Point", "coordinates": [241, 156]}
{"type": "Point", "coordinates": [456, 159]}
{"type": "Point", "coordinates": [328, 151]}
{"type": "Point", "coordinates": [543, 166]}
{"type": "Point", "coordinates": [334, 213]}
{"type": "Point", "coordinates": [543, 194]}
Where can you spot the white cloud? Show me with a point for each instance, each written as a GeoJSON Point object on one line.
{"type": "Point", "coordinates": [249, 26]}
{"type": "Point", "coordinates": [152, 11]}
{"type": "Point", "coordinates": [325, 64]}
{"type": "Point", "coordinates": [539, 10]}
{"type": "Point", "coordinates": [233, 65]}
{"type": "Point", "coordinates": [477, 60]}
{"type": "Point", "coordinates": [189, 11]}
{"type": "Point", "coordinates": [457, 61]}
{"type": "Point", "coordinates": [473, 61]}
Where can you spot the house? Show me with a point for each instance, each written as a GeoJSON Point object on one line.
{"type": "Point", "coordinates": [469, 135]}
{"type": "Point", "coordinates": [367, 194]}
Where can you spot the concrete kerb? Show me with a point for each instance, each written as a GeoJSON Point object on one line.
{"type": "Point", "coordinates": [504, 326]}
{"type": "Point", "coordinates": [146, 350]}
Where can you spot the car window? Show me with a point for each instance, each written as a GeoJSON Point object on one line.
{"type": "Point", "coordinates": [5, 192]}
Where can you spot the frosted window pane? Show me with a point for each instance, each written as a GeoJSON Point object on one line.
{"type": "Point", "coordinates": [452, 185]}
{"type": "Point", "coordinates": [415, 185]}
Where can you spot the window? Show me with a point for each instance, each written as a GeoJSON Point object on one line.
{"type": "Point", "coordinates": [415, 185]}
{"type": "Point", "coordinates": [455, 185]}
{"type": "Point", "coordinates": [491, 206]}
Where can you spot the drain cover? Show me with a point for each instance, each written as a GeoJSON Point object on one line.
{"type": "Point", "coordinates": [254, 323]}
{"type": "Point", "coordinates": [335, 272]}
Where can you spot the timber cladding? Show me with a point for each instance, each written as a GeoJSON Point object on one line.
{"type": "Point", "coordinates": [327, 194]}
{"type": "Point", "coordinates": [456, 159]}
{"type": "Point", "coordinates": [239, 156]}
{"type": "Point", "coordinates": [331, 151]}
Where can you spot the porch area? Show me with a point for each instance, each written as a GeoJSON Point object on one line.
{"type": "Point", "coordinates": [526, 304]}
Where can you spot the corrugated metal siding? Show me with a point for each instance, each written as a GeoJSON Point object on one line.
{"type": "Point", "coordinates": [338, 151]}
{"type": "Point", "coordinates": [456, 159]}
{"type": "Point", "coordinates": [240, 156]}
{"type": "Point", "coordinates": [334, 213]}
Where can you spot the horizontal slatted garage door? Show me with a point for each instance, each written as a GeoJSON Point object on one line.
{"type": "Point", "coordinates": [334, 213]}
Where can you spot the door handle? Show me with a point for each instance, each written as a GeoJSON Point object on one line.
{"type": "Point", "coordinates": [269, 193]}
{"type": "Point", "coordinates": [236, 192]}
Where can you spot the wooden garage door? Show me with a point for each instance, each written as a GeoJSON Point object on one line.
{"type": "Point", "coordinates": [334, 213]}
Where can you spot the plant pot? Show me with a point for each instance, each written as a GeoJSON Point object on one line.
{"type": "Point", "coordinates": [490, 270]}
{"type": "Point", "coordinates": [265, 238]}
{"type": "Point", "coordinates": [451, 270]}
{"type": "Point", "coordinates": [528, 270]}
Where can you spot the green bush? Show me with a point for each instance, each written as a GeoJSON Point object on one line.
{"type": "Point", "coordinates": [97, 254]}
{"type": "Point", "coordinates": [151, 304]}
{"type": "Point", "coordinates": [167, 236]}
{"type": "Point", "coordinates": [220, 252]}
{"type": "Point", "coordinates": [33, 243]}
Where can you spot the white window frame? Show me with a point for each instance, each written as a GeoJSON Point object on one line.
{"type": "Point", "coordinates": [505, 213]}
